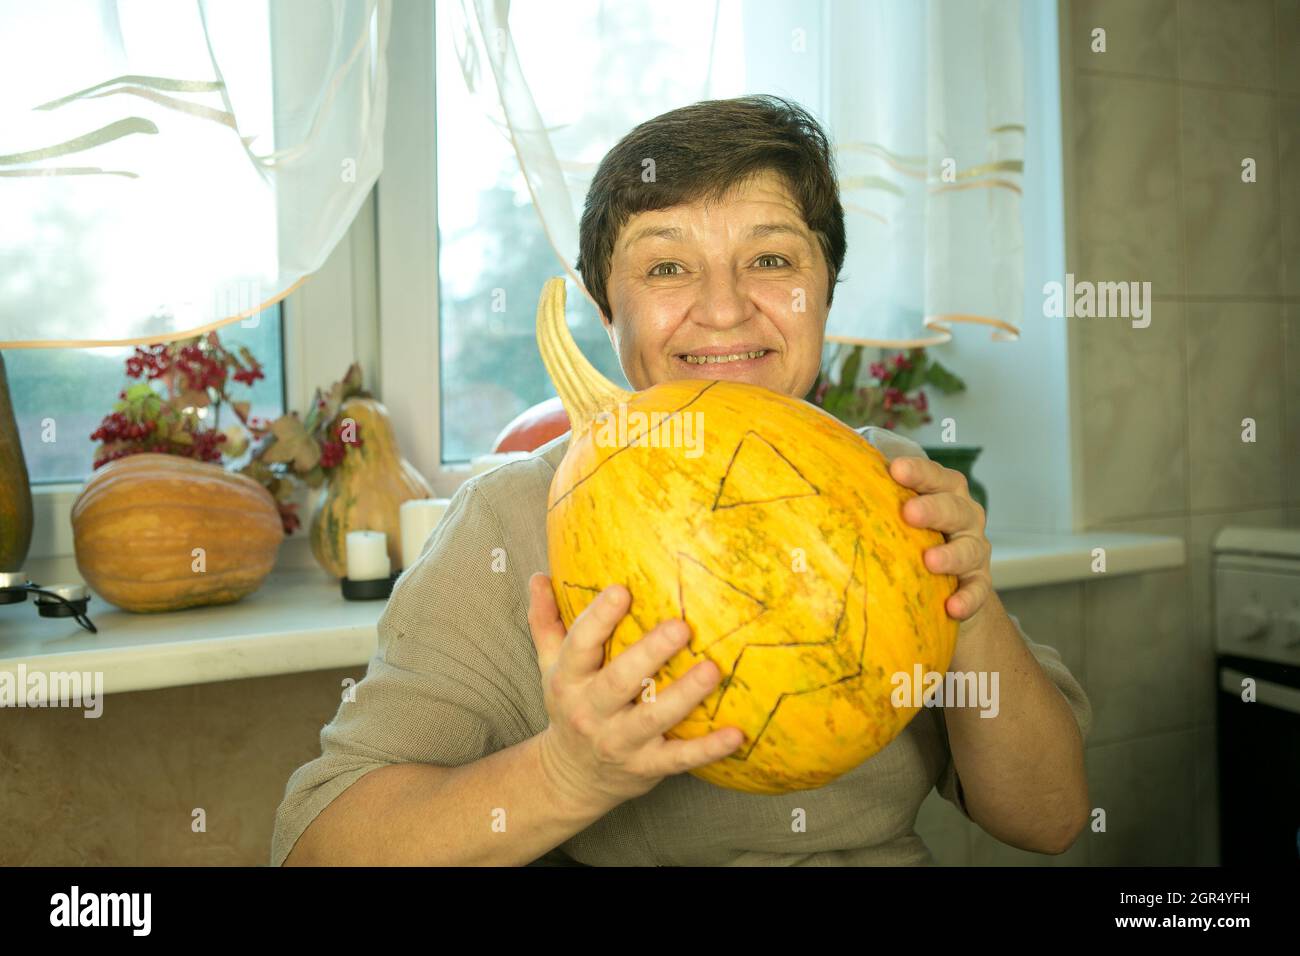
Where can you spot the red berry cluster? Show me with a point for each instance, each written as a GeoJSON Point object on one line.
{"type": "Point", "coordinates": [333, 449]}
{"type": "Point", "coordinates": [199, 369]}
{"type": "Point", "coordinates": [289, 517]}
{"type": "Point", "coordinates": [155, 360]}
{"type": "Point", "coordinates": [205, 447]}
{"type": "Point", "coordinates": [894, 398]}
{"type": "Point", "coordinates": [880, 370]}
{"type": "Point", "coordinates": [117, 427]}
{"type": "Point", "coordinates": [331, 454]}
{"type": "Point", "coordinates": [248, 376]}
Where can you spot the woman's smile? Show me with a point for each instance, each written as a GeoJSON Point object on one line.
{"type": "Point", "coordinates": [737, 363]}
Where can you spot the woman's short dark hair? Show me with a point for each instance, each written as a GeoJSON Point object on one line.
{"type": "Point", "coordinates": [702, 151]}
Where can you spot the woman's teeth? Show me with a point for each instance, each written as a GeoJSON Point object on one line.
{"type": "Point", "coordinates": [715, 359]}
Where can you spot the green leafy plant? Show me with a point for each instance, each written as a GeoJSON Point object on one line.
{"type": "Point", "coordinates": [894, 398]}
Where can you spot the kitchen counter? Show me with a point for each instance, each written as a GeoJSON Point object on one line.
{"type": "Point", "coordinates": [298, 621]}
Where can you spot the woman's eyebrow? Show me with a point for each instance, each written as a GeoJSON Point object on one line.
{"type": "Point", "coordinates": [771, 228]}
{"type": "Point", "coordinates": [675, 234]}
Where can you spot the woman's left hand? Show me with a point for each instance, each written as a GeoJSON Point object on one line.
{"type": "Point", "coordinates": [943, 503]}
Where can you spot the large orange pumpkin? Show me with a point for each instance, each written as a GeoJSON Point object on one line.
{"type": "Point", "coordinates": [779, 539]}
{"type": "Point", "coordinates": [140, 522]}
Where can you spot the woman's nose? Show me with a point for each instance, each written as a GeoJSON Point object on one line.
{"type": "Point", "coordinates": [721, 303]}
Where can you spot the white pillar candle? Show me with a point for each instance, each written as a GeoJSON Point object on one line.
{"type": "Point", "coordinates": [368, 555]}
{"type": "Point", "coordinates": [480, 464]}
{"type": "Point", "coordinates": [419, 516]}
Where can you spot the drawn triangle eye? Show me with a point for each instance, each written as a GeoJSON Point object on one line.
{"type": "Point", "coordinates": [757, 474]}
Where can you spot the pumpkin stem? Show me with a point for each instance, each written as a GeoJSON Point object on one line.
{"type": "Point", "coordinates": [584, 392]}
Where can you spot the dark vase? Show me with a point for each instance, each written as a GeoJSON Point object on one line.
{"type": "Point", "coordinates": [961, 458]}
{"type": "Point", "coordinates": [15, 492]}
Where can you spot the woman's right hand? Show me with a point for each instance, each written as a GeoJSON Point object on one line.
{"type": "Point", "coordinates": [602, 745]}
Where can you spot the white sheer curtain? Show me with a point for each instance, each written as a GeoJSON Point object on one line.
{"type": "Point", "coordinates": [170, 167]}
{"type": "Point", "coordinates": [924, 100]}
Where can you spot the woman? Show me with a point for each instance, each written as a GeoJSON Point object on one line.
{"type": "Point", "coordinates": [712, 240]}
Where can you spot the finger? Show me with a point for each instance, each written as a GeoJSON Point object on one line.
{"type": "Point", "coordinates": [925, 476]}
{"type": "Point", "coordinates": [961, 555]}
{"type": "Point", "coordinates": [967, 599]}
{"type": "Point", "coordinates": [678, 756]}
{"type": "Point", "coordinates": [544, 620]}
{"type": "Point", "coordinates": [649, 719]}
{"type": "Point", "coordinates": [583, 653]}
{"type": "Point", "coordinates": [948, 512]}
{"type": "Point", "coordinates": [621, 679]}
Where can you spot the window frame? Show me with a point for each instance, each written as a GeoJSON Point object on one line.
{"type": "Point", "coordinates": [409, 316]}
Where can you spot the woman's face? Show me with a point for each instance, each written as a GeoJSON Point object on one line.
{"type": "Point", "coordinates": [693, 286]}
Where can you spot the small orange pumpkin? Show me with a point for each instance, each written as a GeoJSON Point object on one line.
{"type": "Point", "coordinates": [161, 532]}
{"type": "Point", "coordinates": [534, 427]}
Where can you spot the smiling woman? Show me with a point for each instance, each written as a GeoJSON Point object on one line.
{"type": "Point", "coordinates": [712, 240]}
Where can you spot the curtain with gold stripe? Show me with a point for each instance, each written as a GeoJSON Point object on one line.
{"type": "Point", "coordinates": [924, 100]}
{"type": "Point", "coordinates": [167, 168]}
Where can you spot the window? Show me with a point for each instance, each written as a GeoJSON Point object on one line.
{"type": "Point", "coordinates": [61, 395]}
{"type": "Point", "coordinates": [455, 371]}
{"type": "Point", "coordinates": [493, 258]}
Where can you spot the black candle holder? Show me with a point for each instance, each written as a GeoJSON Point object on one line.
{"type": "Point", "coordinates": [372, 590]}
{"type": "Point", "coordinates": [14, 588]}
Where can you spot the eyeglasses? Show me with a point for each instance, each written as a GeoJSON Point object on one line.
{"type": "Point", "coordinates": [58, 600]}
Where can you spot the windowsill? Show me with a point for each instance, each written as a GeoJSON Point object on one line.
{"type": "Point", "coordinates": [1025, 559]}
{"type": "Point", "coordinates": [299, 621]}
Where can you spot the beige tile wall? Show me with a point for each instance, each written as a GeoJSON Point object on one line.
{"type": "Point", "coordinates": [1156, 129]}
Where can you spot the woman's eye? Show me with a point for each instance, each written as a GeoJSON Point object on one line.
{"type": "Point", "coordinates": [778, 261]}
{"type": "Point", "coordinates": [665, 265]}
